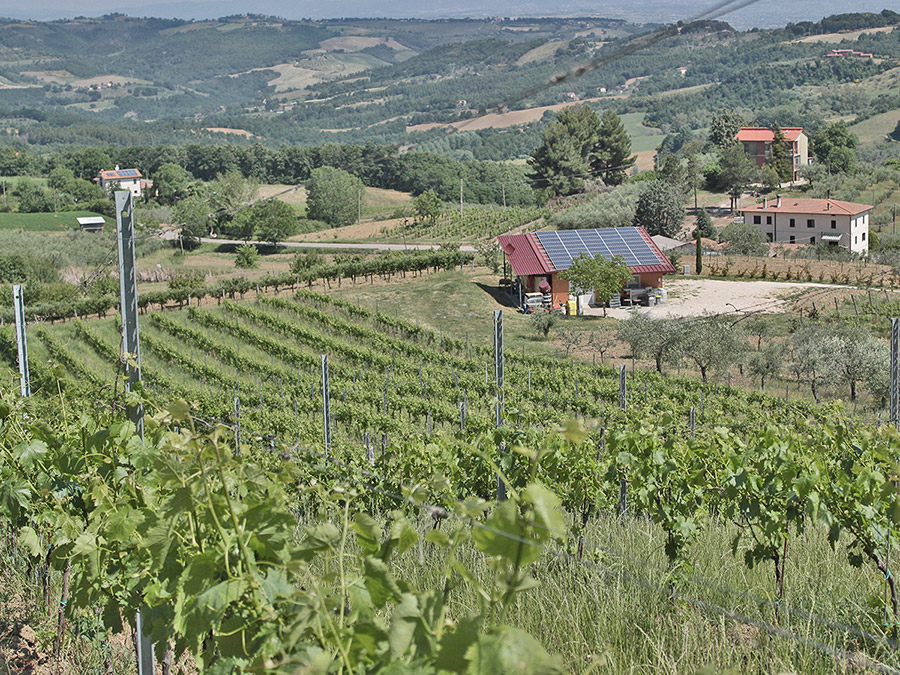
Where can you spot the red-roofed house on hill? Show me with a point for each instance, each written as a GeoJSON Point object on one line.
{"type": "Point", "coordinates": [537, 258]}
{"type": "Point", "coordinates": [127, 179]}
{"type": "Point", "coordinates": [757, 142]}
{"type": "Point", "coordinates": [812, 221]}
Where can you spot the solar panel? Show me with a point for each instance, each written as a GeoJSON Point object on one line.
{"type": "Point", "coordinates": [565, 245]}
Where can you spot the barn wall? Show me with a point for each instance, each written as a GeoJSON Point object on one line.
{"type": "Point", "coordinates": [559, 290]}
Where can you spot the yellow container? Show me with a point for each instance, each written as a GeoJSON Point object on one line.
{"type": "Point", "coordinates": [572, 306]}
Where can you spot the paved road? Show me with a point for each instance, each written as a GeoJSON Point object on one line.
{"type": "Point", "coordinates": [339, 245]}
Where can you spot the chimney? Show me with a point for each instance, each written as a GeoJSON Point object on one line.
{"type": "Point", "coordinates": [828, 206]}
{"type": "Point", "coordinates": [765, 202]}
{"type": "Point", "coordinates": [778, 203]}
{"type": "Point", "coordinates": [117, 167]}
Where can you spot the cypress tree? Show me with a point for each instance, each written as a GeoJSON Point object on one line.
{"type": "Point", "coordinates": [781, 157]}
{"type": "Point", "coordinates": [699, 263]}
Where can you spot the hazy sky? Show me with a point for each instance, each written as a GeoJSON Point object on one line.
{"type": "Point", "coordinates": [765, 13]}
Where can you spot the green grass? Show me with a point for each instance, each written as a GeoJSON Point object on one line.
{"type": "Point", "coordinates": [610, 613]}
{"type": "Point", "coordinates": [642, 137]}
{"type": "Point", "coordinates": [876, 128]}
{"type": "Point", "coordinates": [43, 222]}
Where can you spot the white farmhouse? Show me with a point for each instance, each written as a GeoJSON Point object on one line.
{"type": "Point", "coordinates": [127, 179]}
{"type": "Point", "coordinates": [812, 221]}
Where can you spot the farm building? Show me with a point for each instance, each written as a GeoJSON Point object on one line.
{"type": "Point", "coordinates": [757, 142]}
{"type": "Point", "coordinates": [811, 221]}
{"type": "Point", "coordinates": [92, 223]}
{"type": "Point", "coordinates": [537, 258]}
{"type": "Point", "coordinates": [126, 179]}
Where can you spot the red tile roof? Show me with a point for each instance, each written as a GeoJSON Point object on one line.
{"type": "Point", "coordinates": [766, 134]}
{"type": "Point", "coordinates": [524, 255]}
{"type": "Point", "coordinates": [814, 206]}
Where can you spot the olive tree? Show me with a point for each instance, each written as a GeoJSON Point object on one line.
{"type": "Point", "coordinates": [712, 342]}
{"type": "Point", "coordinates": [605, 277]}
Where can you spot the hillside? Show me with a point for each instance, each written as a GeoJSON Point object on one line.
{"type": "Point", "coordinates": [254, 79]}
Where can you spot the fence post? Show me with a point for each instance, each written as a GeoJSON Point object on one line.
{"type": "Point", "coordinates": [623, 400]}
{"type": "Point", "coordinates": [237, 426]}
{"type": "Point", "coordinates": [24, 375]}
{"type": "Point", "coordinates": [326, 404]}
{"type": "Point", "coordinates": [895, 372]}
{"type": "Point", "coordinates": [131, 354]}
{"type": "Point", "coordinates": [498, 378]}
{"type": "Point", "coordinates": [693, 421]}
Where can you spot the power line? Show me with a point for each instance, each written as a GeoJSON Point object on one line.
{"type": "Point", "coordinates": [642, 42]}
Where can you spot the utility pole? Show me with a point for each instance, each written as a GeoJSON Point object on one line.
{"type": "Point", "coordinates": [131, 355]}
{"type": "Point", "coordinates": [460, 196]}
{"type": "Point", "coordinates": [359, 206]}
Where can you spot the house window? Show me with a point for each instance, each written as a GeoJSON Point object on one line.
{"type": "Point", "coordinates": [769, 237]}
{"type": "Point", "coordinates": [768, 220]}
{"type": "Point", "coordinates": [864, 236]}
{"type": "Point", "coordinates": [810, 222]}
{"type": "Point", "coordinates": [812, 240]}
{"type": "Point", "coordinates": [757, 220]}
{"type": "Point", "coordinates": [793, 222]}
{"type": "Point", "coordinates": [854, 239]}
{"type": "Point", "coordinates": [793, 239]}
{"type": "Point", "coordinates": [833, 224]}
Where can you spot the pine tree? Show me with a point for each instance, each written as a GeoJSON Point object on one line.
{"type": "Point", "coordinates": [612, 153]}
{"type": "Point", "coordinates": [561, 164]}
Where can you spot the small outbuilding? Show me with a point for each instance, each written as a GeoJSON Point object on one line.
{"type": "Point", "coordinates": [537, 258]}
{"type": "Point", "coordinates": [91, 223]}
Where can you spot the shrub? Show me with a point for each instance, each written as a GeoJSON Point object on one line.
{"type": "Point", "coordinates": [247, 256]}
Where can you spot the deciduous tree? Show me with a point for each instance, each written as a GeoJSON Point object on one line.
{"type": "Point", "coordinates": [274, 220]}
{"type": "Point", "coordinates": [333, 196]}
{"type": "Point", "coordinates": [743, 239]}
{"type": "Point", "coordinates": [736, 170]}
{"type": "Point", "coordinates": [428, 206]}
{"type": "Point", "coordinates": [835, 147]}
{"type": "Point", "coordinates": [724, 127]}
{"type": "Point", "coordinates": [660, 209]}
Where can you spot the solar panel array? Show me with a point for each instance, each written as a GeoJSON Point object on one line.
{"type": "Point", "coordinates": [128, 172]}
{"type": "Point", "coordinates": [566, 245]}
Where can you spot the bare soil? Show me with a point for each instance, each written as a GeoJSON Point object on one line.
{"type": "Point", "coordinates": [508, 119]}
{"type": "Point", "coordinates": [363, 230]}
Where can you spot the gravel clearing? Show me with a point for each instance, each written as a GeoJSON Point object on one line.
{"type": "Point", "coordinates": [693, 297]}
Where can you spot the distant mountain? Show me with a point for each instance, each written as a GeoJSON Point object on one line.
{"type": "Point", "coordinates": [763, 14]}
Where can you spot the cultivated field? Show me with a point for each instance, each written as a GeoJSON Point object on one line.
{"type": "Point", "coordinates": [833, 38]}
